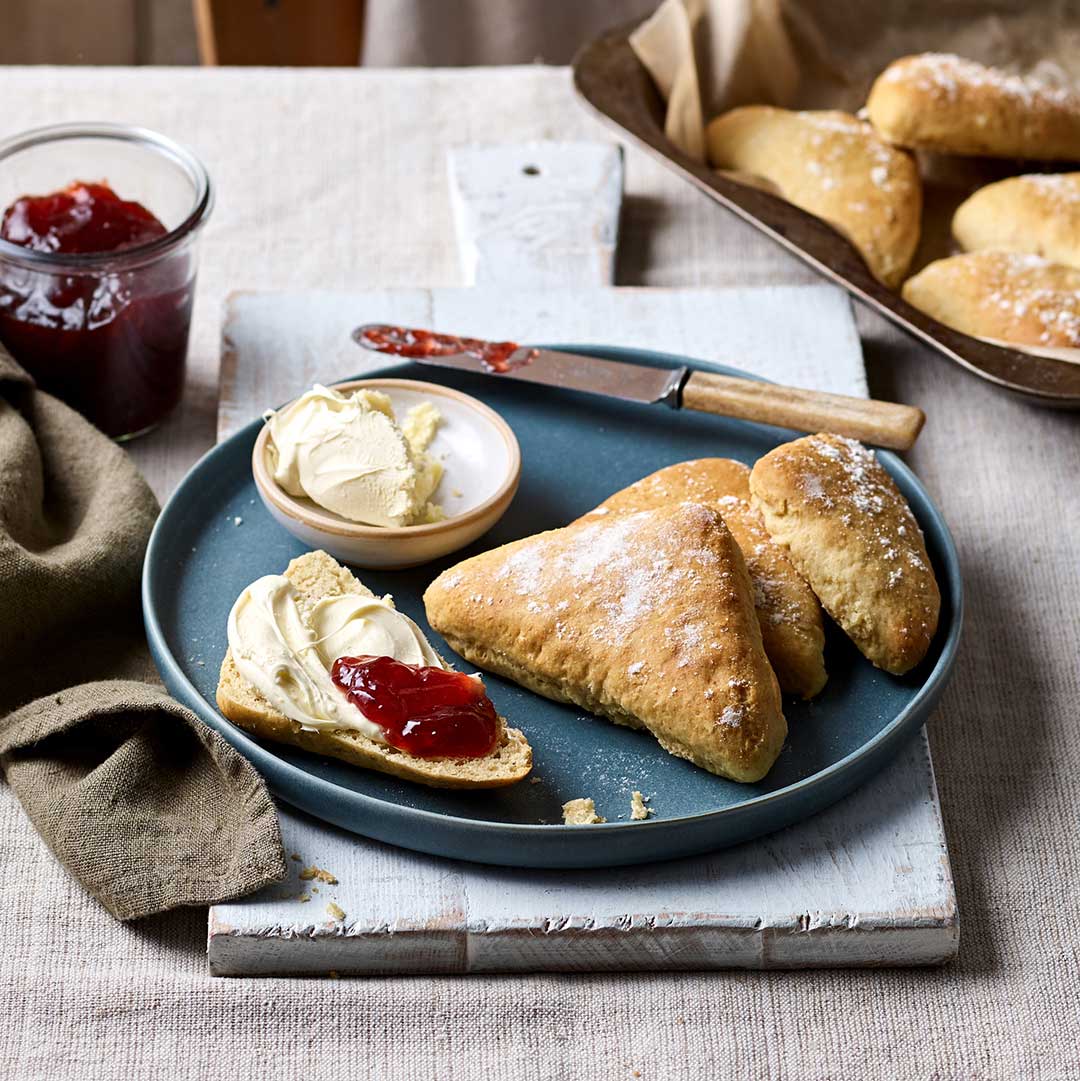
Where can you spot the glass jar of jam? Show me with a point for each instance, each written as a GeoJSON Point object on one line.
{"type": "Point", "coordinates": [98, 231]}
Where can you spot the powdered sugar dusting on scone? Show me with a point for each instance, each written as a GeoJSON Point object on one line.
{"type": "Point", "coordinates": [1008, 296]}
{"type": "Point", "coordinates": [839, 155]}
{"type": "Point", "coordinates": [1054, 189]}
{"type": "Point", "coordinates": [642, 573]}
{"type": "Point", "coordinates": [788, 612]}
{"type": "Point", "coordinates": [834, 165]}
{"type": "Point", "coordinates": [867, 498]}
{"type": "Point", "coordinates": [731, 716]}
{"type": "Point", "coordinates": [949, 76]}
{"type": "Point", "coordinates": [861, 550]}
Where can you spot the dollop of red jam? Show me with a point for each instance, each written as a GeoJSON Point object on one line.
{"type": "Point", "coordinates": [82, 218]}
{"type": "Point", "coordinates": [111, 340]}
{"type": "Point", "coordinates": [409, 342]}
{"type": "Point", "coordinates": [426, 711]}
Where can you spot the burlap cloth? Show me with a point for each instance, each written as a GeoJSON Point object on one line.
{"type": "Point", "coordinates": [139, 800]}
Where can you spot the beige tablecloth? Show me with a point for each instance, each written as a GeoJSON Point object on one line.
{"type": "Point", "coordinates": [337, 179]}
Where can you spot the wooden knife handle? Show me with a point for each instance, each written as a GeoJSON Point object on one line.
{"type": "Point", "coordinates": [886, 424]}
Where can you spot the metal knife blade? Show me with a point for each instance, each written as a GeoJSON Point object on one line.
{"type": "Point", "coordinates": [548, 367]}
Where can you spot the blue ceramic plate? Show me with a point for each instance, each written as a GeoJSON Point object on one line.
{"type": "Point", "coordinates": [214, 537]}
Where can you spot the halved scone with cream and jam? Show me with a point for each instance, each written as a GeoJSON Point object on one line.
{"type": "Point", "coordinates": [318, 661]}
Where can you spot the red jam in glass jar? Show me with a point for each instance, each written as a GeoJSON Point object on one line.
{"type": "Point", "coordinates": [429, 712]}
{"type": "Point", "coordinates": [108, 335]}
{"type": "Point", "coordinates": [81, 219]}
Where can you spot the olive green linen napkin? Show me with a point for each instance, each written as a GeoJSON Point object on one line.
{"type": "Point", "coordinates": [142, 803]}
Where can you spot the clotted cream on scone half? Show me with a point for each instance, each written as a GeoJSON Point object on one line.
{"type": "Point", "coordinates": [316, 660]}
{"type": "Point", "coordinates": [646, 619]}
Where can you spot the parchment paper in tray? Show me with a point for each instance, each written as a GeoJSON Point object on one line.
{"type": "Point", "coordinates": [707, 56]}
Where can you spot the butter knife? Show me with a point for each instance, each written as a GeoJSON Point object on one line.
{"type": "Point", "coordinates": [887, 424]}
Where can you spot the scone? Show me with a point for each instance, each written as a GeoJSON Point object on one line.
{"type": "Point", "coordinates": [298, 688]}
{"type": "Point", "coordinates": [937, 101]}
{"type": "Point", "coordinates": [1037, 214]}
{"type": "Point", "coordinates": [851, 533]}
{"type": "Point", "coordinates": [787, 610]}
{"type": "Point", "coordinates": [1003, 296]}
{"type": "Point", "coordinates": [646, 619]}
{"type": "Point", "coordinates": [833, 165]}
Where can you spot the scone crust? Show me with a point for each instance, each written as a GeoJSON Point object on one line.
{"type": "Point", "coordinates": [1004, 296]}
{"type": "Point", "coordinates": [646, 619]}
{"type": "Point", "coordinates": [316, 575]}
{"type": "Point", "coordinates": [834, 165]}
{"type": "Point", "coordinates": [788, 612]}
{"type": "Point", "coordinates": [852, 534]}
{"type": "Point", "coordinates": [942, 102]}
{"type": "Point", "coordinates": [1037, 214]}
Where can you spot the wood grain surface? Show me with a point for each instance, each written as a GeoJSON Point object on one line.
{"type": "Point", "coordinates": [886, 424]}
{"type": "Point", "coordinates": [866, 882]}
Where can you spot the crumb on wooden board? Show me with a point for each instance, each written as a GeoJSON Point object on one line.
{"type": "Point", "coordinates": [313, 872]}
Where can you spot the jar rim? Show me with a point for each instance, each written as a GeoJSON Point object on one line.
{"type": "Point", "coordinates": [137, 253]}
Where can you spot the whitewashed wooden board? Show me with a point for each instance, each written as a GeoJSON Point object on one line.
{"type": "Point", "coordinates": [537, 214]}
{"type": "Point", "coordinates": [276, 345]}
{"type": "Point", "coordinates": [864, 883]}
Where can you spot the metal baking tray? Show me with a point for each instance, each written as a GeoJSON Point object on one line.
{"type": "Point", "coordinates": [609, 77]}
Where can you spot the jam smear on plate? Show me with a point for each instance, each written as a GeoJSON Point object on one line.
{"type": "Point", "coordinates": [426, 711]}
{"type": "Point", "coordinates": [109, 338]}
{"type": "Point", "coordinates": [407, 342]}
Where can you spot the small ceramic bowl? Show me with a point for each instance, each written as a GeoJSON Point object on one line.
{"type": "Point", "coordinates": [483, 466]}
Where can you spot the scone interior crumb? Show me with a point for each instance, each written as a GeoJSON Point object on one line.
{"type": "Point", "coordinates": [581, 812]}
{"type": "Point", "coordinates": [638, 811]}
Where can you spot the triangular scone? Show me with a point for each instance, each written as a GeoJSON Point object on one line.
{"type": "Point", "coordinates": [789, 613]}
{"type": "Point", "coordinates": [1002, 295]}
{"type": "Point", "coordinates": [850, 531]}
{"type": "Point", "coordinates": [834, 165]}
{"type": "Point", "coordinates": [1037, 214]}
{"type": "Point", "coordinates": [316, 575]}
{"type": "Point", "coordinates": [646, 619]}
{"type": "Point", "coordinates": [942, 102]}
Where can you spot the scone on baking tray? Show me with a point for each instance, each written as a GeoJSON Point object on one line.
{"type": "Point", "coordinates": [1037, 214]}
{"type": "Point", "coordinates": [834, 165]}
{"type": "Point", "coordinates": [853, 536]}
{"type": "Point", "coordinates": [285, 634]}
{"type": "Point", "coordinates": [942, 102]}
{"type": "Point", "coordinates": [788, 612]}
{"type": "Point", "coordinates": [1003, 296]}
{"type": "Point", "coordinates": [646, 619]}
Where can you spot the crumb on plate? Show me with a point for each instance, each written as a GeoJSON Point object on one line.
{"type": "Point", "coordinates": [580, 812]}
